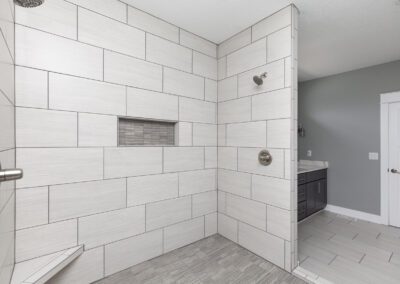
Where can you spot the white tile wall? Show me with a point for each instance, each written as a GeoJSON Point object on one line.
{"type": "Point", "coordinates": [246, 210]}
{"type": "Point", "coordinates": [183, 159]}
{"type": "Point", "coordinates": [205, 65]}
{"type": "Point", "coordinates": [228, 89]}
{"type": "Point", "coordinates": [31, 207]}
{"type": "Point", "coordinates": [279, 132]}
{"type": "Point", "coordinates": [168, 212]}
{"type": "Point", "coordinates": [234, 182]}
{"type": "Point", "coordinates": [222, 135]}
{"type": "Point", "coordinates": [278, 222]}
{"type": "Point", "coordinates": [197, 181]}
{"type": "Point", "coordinates": [132, 161]}
{"type": "Point", "coordinates": [221, 68]}
{"type": "Point", "coordinates": [37, 241]}
{"type": "Point", "coordinates": [100, 229]}
{"type": "Point", "coordinates": [248, 162]}
{"type": "Point", "coordinates": [275, 22]}
{"type": "Point", "coordinates": [126, 253]}
{"type": "Point", "coordinates": [211, 157]}
{"type": "Point", "coordinates": [211, 224]}
{"type": "Point", "coordinates": [183, 234]}
{"type": "Point", "coordinates": [204, 134]}
{"type": "Point", "coordinates": [227, 158]}
{"type": "Point", "coordinates": [80, 199]}
{"type": "Point", "coordinates": [149, 104]}
{"type": "Point", "coordinates": [197, 111]}
{"type": "Point", "coordinates": [111, 8]}
{"type": "Point", "coordinates": [221, 201]}
{"type": "Point", "coordinates": [46, 128]}
{"type": "Point", "coordinates": [87, 268]}
{"type": "Point", "coordinates": [234, 43]}
{"type": "Point", "coordinates": [248, 134]}
{"type": "Point", "coordinates": [273, 191]}
{"type": "Point", "coordinates": [30, 87]}
{"type": "Point", "coordinates": [151, 24]}
{"type": "Point", "coordinates": [279, 44]}
{"type": "Point", "coordinates": [234, 111]}
{"type": "Point", "coordinates": [56, 17]}
{"type": "Point", "coordinates": [77, 94]}
{"type": "Point", "coordinates": [272, 105]}
{"type": "Point", "coordinates": [228, 227]}
{"type": "Point", "coordinates": [167, 53]}
{"type": "Point", "coordinates": [110, 34]}
{"type": "Point", "coordinates": [49, 52]}
{"type": "Point", "coordinates": [183, 84]}
{"type": "Point", "coordinates": [44, 166]}
{"type": "Point", "coordinates": [204, 203]}
{"type": "Point", "coordinates": [97, 130]}
{"type": "Point", "coordinates": [125, 70]}
{"type": "Point", "coordinates": [251, 56]}
{"type": "Point", "coordinates": [211, 90]}
{"type": "Point", "coordinates": [146, 189]}
{"type": "Point", "coordinates": [266, 245]}
{"type": "Point", "coordinates": [184, 134]}
{"type": "Point", "coordinates": [197, 43]}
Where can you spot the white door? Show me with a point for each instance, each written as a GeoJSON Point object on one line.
{"type": "Point", "coordinates": [394, 164]}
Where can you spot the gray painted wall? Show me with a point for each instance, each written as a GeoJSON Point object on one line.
{"type": "Point", "coordinates": [341, 115]}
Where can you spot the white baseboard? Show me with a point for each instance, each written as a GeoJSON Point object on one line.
{"type": "Point", "coordinates": [354, 214]}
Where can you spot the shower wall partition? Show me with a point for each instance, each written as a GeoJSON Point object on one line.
{"type": "Point", "coordinates": [83, 65]}
{"type": "Point", "coordinates": [7, 139]}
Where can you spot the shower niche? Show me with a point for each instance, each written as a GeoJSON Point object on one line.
{"type": "Point", "coordinates": [141, 132]}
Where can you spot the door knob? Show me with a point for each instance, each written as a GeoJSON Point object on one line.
{"type": "Point", "coordinates": [395, 171]}
{"type": "Point", "coordinates": [10, 174]}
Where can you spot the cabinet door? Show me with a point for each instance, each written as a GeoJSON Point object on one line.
{"type": "Point", "coordinates": [311, 197]}
{"type": "Point", "coordinates": [320, 195]}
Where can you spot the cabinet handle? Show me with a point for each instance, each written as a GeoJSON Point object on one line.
{"type": "Point", "coordinates": [319, 187]}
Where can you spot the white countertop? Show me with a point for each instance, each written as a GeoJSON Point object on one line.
{"type": "Point", "coordinates": [305, 166]}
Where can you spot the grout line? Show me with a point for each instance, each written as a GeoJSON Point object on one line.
{"type": "Point", "coordinates": [333, 260]}
{"type": "Point", "coordinates": [362, 258]}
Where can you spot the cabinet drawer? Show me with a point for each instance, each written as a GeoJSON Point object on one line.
{"type": "Point", "coordinates": [316, 175]}
{"type": "Point", "coordinates": [301, 210]}
{"type": "Point", "coordinates": [301, 193]}
{"type": "Point", "coordinates": [301, 178]}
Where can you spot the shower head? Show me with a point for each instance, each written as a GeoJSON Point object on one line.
{"type": "Point", "coordinates": [259, 79]}
{"type": "Point", "coordinates": [29, 3]}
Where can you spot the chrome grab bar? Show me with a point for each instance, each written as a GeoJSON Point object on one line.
{"type": "Point", "coordinates": [10, 174]}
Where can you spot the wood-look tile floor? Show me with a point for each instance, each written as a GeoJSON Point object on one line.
{"type": "Point", "coordinates": [344, 250]}
{"type": "Point", "coordinates": [211, 260]}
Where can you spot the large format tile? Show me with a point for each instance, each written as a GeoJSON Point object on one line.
{"type": "Point", "coordinates": [210, 157]}
{"type": "Point", "coordinates": [153, 105]}
{"type": "Point", "coordinates": [197, 111]}
{"type": "Point", "coordinates": [211, 90]}
{"type": "Point", "coordinates": [234, 111]}
{"type": "Point", "coordinates": [37, 241]}
{"type": "Point", "coordinates": [248, 134]}
{"type": "Point", "coordinates": [126, 70]}
{"type": "Point", "coordinates": [204, 203]}
{"type": "Point", "coordinates": [167, 53]}
{"type": "Point", "coordinates": [197, 43]}
{"type": "Point", "coordinates": [126, 253]}
{"type": "Point", "coordinates": [227, 158]}
{"type": "Point", "coordinates": [183, 159]}
{"type": "Point", "coordinates": [79, 199]}
{"type": "Point", "coordinates": [111, 8]}
{"type": "Point", "coordinates": [272, 105]}
{"type": "Point", "coordinates": [279, 44]}
{"type": "Point", "coordinates": [145, 189]}
{"type": "Point", "coordinates": [45, 128]}
{"type": "Point", "coordinates": [168, 212]}
{"type": "Point", "coordinates": [278, 222]}
{"type": "Point", "coordinates": [279, 133]}
{"type": "Point", "coordinates": [234, 182]}
{"type": "Point", "coordinates": [110, 34]}
{"type": "Point", "coordinates": [273, 191]}
{"type": "Point", "coordinates": [100, 229]}
{"type": "Point", "coordinates": [132, 161]}
{"type": "Point", "coordinates": [30, 87]}
{"type": "Point", "coordinates": [197, 182]}
{"type": "Point", "coordinates": [82, 95]}
{"type": "Point", "coordinates": [49, 52]}
{"type": "Point", "coordinates": [56, 17]}
{"type": "Point", "coordinates": [275, 22]}
{"type": "Point", "coordinates": [204, 134]}
{"type": "Point", "coordinates": [7, 122]}
{"type": "Point", "coordinates": [183, 84]}
{"type": "Point", "coordinates": [249, 57]}
{"type": "Point", "coordinates": [234, 43]}
{"type": "Point", "coordinates": [151, 24]}
{"type": "Point", "coordinates": [205, 66]}
{"type": "Point", "coordinates": [97, 130]}
{"type": "Point", "coordinates": [31, 207]}
{"type": "Point", "coordinates": [182, 234]}
{"type": "Point", "coordinates": [46, 166]}
{"type": "Point", "coordinates": [228, 227]}
{"type": "Point", "coordinates": [246, 210]}
{"type": "Point", "coordinates": [248, 162]}
{"type": "Point", "coordinates": [228, 89]}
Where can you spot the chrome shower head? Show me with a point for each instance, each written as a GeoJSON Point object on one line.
{"type": "Point", "coordinates": [259, 79]}
{"type": "Point", "coordinates": [29, 3]}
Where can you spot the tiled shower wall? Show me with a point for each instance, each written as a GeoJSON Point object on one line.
{"type": "Point", "coordinates": [7, 139]}
{"type": "Point", "coordinates": [80, 65]}
{"type": "Point", "coordinates": [257, 204]}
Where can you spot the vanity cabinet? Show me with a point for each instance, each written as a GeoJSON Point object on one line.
{"type": "Point", "coordinates": [311, 193]}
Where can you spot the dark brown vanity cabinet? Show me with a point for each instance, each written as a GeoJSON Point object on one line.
{"type": "Point", "coordinates": [311, 193]}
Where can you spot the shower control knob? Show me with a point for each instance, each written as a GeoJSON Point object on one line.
{"type": "Point", "coordinates": [265, 158]}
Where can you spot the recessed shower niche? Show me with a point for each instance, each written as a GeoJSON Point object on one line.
{"type": "Point", "coordinates": [139, 132]}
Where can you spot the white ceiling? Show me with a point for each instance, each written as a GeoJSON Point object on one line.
{"type": "Point", "coordinates": [334, 36]}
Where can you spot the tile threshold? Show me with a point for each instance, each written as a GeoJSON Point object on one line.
{"type": "Point", "coordinates": [309, 276]}
{"type": "Point", "coordinates": [45, 272]}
